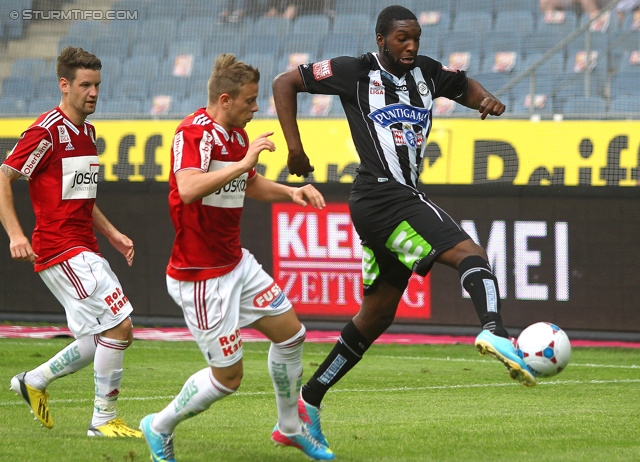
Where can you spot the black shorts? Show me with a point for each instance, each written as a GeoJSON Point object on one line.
{"type": "Point", "coordinates": [401, 230]}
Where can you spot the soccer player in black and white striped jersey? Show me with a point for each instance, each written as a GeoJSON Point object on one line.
{"type": "Point", "coordinates": [388, 98]}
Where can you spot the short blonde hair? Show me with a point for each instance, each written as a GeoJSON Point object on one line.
{"type": "Point", "coordinates": [228, 75]}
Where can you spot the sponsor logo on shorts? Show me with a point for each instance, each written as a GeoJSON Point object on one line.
{"type": "Point", "coordinates": [272, 297]}
{"type": "Point", "coordinates": [116, 300]}
{"type": "Point", "coordinates": [322, 70]}
{"type": "Point", "coordinates": [229, 344]}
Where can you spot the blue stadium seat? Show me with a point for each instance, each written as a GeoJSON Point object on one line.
{"type": "Point", "coordinates": [185, 47]}
{"type": "Point", "coordinates": [47, 86]}
{"type": "Point", "coordinates": [628, 105]}
{"type": "Point", "coordinates": [263, 44]}
{"type": "Point", "coordinates": [493, 81]}
{"type": "Point", "coordinates": [279, 26]}
{"type": "Point", "coordinates": [170, 9]}
{"type": "Point", "coordinates": [354, 23]}
{"type": "Point", "coordinates": [619, 43]}
{"type": "Point", "coordinates": [149, 47]}
{"type": "Point", "coordinates": [197, 89]}
{"type": "Point", "coordinates": [120, 108]}
{"type": "Point", "coordinates": [18, 87]}
{"type": "Point", "coordinates": [585, 107]}
{"type": "Point", "coordinates": [430, 45]}
{"type": "Point", "coordinates": [39, 105]}
{"type": "Point", "coordinates": [514, 21]}
{"type": "Point", "coordinates": [311, 23]}
{"type": "Point", "coordinates": [462, 42]}
{"type": "Point", "coordinates": [12, 106]}
{"type": "Point", "coordinates": [340, 44]}
{"type": "Point", "coordinates": [607, 24]}
{"type": "Point", "coordinates": [541, 103]}
{"type": "Point", "coordinates": [111, 46]}
{"type": "Point", "coordinates": [572, 86]}
{"type": "Point", "coordinates": [194, 9]}
{"type": "Point", "coordinates": [531, 6]}
{"type": "Point", "coordinates": [549, 70]}
{"type": "Point", "coordinates": [223, 42]}
{"type": "Point", "coordinates": [446, 6]}
{"type": "Point", "coordinates": [503, 41]}
{"type": "Point", "coordinates": [479, 21]}
{"type": "Point", "coordinates": [132, 88]}
{"type": "Point", "coordinates": [140, 67]}
{"type": "Point", "coordinates": [624, 83]}
{"type": "Point", "coordinates": [308, 43]}
{"type": "Point", "coordinates": [473, 6]}
{"type": "Point", "coordinates": [433, 23]}
{"type": "Point", "coordinates": [176, 87]}
{"type": "Point", "coordinates": [630, 63]}
{"type": "Point", "coordinates": [552, 23]}
{"type": "Point", "coordinates": [89, 29]}
{"type": "Point", "coordinates": [541, 42]}
{"type": "Point", "coordinates": [501, 62]}
{"type": "Point", "coordinates": [159, 29]}
{"type": "Point", "coordinates": [28, 67]}
{"type": "Point", "coordinates": [597, 42]}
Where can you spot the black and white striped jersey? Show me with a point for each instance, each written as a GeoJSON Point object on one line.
{"type": "Point", "coordinates": [389, 117]}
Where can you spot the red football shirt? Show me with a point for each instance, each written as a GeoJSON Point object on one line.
{"type": "Point", "coordinates": [60, 160]}
{"type": "Point", "coordinates": [207, 242]}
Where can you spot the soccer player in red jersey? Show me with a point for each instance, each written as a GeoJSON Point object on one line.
{"type": "Point", "coordinates": [220, 286]}
{"type": "Point", "coordinates": [58, 155]}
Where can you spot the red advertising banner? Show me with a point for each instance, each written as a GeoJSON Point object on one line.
{"type": "Point", "coordinates": [317, 259]}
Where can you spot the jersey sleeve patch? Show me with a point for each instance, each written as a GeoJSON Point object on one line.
{"type": "Point", "coordinates": [322, 70]}
{"type": "Point", "coordinates": [35, 157]}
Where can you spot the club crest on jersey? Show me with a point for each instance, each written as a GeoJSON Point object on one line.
{"type": "Point", "coordinates": [273, 297]}
{"type": "Point", "coordinates": [423, 89]}
{"type": "Point", "coordinates": [400, 113]}
{"type": "Point", "coordinates": [63, 134]}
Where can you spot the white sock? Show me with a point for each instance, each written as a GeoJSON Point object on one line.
{"type": "Point", "coordinates": [107, 376]}
{"type": "Point", "coordinates": [70, 359]}
{"type": "Point", "coordinates": [198, 393]}
{"type": "Point", "coordinates": [285, 368]}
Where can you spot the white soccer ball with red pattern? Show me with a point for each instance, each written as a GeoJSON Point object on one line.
{"type": "Point", "coordinates": [545, 349]}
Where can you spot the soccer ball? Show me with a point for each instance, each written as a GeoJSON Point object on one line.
{"type": "Point", "coordinates": [545, 349]}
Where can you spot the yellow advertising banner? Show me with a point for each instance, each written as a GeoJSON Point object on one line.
{"type": "Point", "coordinates": [518, 152]}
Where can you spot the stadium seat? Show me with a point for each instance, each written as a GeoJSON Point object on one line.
{"type": "Point", "coordinates": [311, 23]}
{"type": "Point", "coordinates": [195, 9]}
{"type": "Point", "coordinates": [503, 41]}
{"type": "Point", "coordinates": [39, 105]}
{"type": "Point", "coordinates": [353, 23]}
{"type": "Point", "coordinates": [597, 42]}
{"type": "Point", "coordinates": [572, 86]}
{"type": "Point", "coordinates": [308, 44]}
{"type": "Point", "coordinates": [542, 41]}
{"type": "Point", "coordinates": [149, 47]}
{"type": "Point", "coordinates": [607, 24]}
{"type": "Point", "coordinates": [279, 26]}
{"type": "Point", "coordinates": [631, 21]}
{"type": "Point", "coordinates": [479, 21]}
{"type": "Point", "coordinates": [515, 21]}
{"type": "Point", "coordinates": [473, 6]}
{"type": "Point", "coordinates": [18, 87]}
{"type": "Point", "coordinates": [223, 42]}
{"type": "Point", "coordinates": [550, 69]}
{"type": "Point", "coordinates": [169, 9]}
{"type": "Point", "coordinates": [493, 81]}
{"type": "Point", "coordinates": [132, 88]}
{"type": "Point", "coordinates": [263, 44]}
{"type": "Point", "coordinates": [630, 63]}
{"type": "Point", "coordinates": [445, 6]}
{"type": "Point", "coordinates": [340, 44]}
{"type": "Point", "coordinates": [12, 106]}
{"type": "Point", "coordinates": [119, 108]}
{"type": "Point", "coordinates": [628, 105]}
{"type": "Point", "coordinates": [433, 23]}
{"type": "Point", "coordinates": [185, 47]}
{"type": "Point", "coordinates": [140, 67]}
{"type": "Point", "coordinates": [28, 67]}
{"type": "Point", "coordinates": [619, 43]}
{"type": "Point", "coordinates": [457, 45]}
{"type": "Point", "coordinates": [624, 83]}
{"type": "Point", "coordinates": [89, 29]}
{"type": "Point", "coordinates": [47, 86]}
{"type": "Point", "coordinates": [541, 103]}
{"type": "Point", "coordinates": [585, 107]}
{"type": "Point", "coordinates": [531, 6]}
{"type": "Point", "coordinates": [563, 22]}
{"type": "Point", "coordinates": [111, 46]}
{"type": "Point", "coordinates": [176, 87]}
{"type": "Point", "coordinates": [163, 29]}
{"type": "Point", "coordinates": [430, 46]}
{"type": "Point", "coordinates": [507, 63]}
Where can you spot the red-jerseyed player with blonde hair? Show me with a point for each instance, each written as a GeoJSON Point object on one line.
{"type": "Point", "coordinates": [220, 286]}
{"type": "Point", "coordinates": [58, 155]}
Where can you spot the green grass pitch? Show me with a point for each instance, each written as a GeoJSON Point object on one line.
{"type": "Point", "coordinates": [401, 403]}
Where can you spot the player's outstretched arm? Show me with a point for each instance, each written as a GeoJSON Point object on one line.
{"type": "Point", "coordinates": [265, 190]}
{"type": "Point", "coordinates": [286, 87]}
{"type": "Point", "coordinates": [19, 244]}
{"type": "Point", "coordinates": [477, 97]}
{"type": "Point", "coordinates": [119, 241]}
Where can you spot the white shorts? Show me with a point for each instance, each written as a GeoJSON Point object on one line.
{"type": "Point", "coordinates": [215, 309]}
{"type": "Point", "coordinates": [90, 293]}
